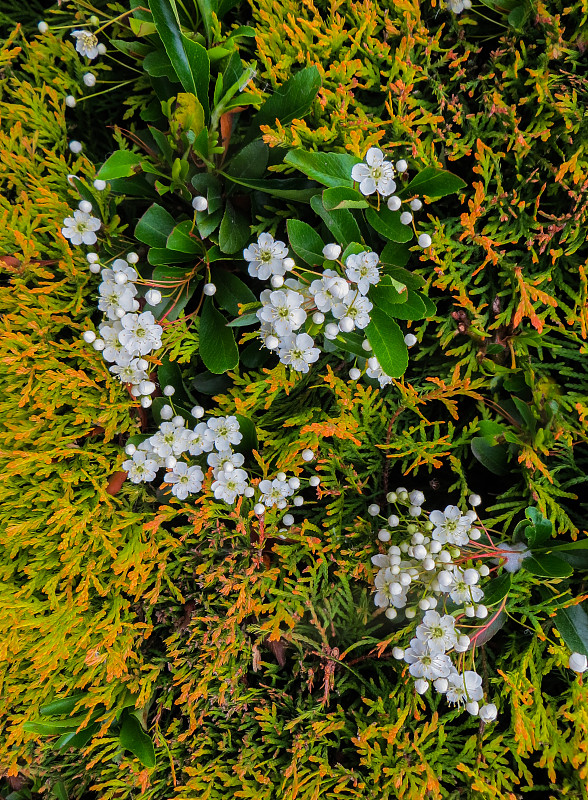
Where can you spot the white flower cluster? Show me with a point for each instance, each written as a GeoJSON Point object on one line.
{"type": "Point", "coordinates": [336, 302]}
{"type": "Point", "coordinates": [126, 336]}
{"type": "Point", "coordinates": [82, 227]}
{"type": "Point", "coordinates": [422, 570]}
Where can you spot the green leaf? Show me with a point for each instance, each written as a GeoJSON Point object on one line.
{"type": "Point", "coordinates": [230, 291]}
{"type": "Point", "coordinates": [526, 414]}
{"type": "Point", "coordinates": [493, 457]}
{"type": "Point", "coordinates": [180, 239]}
{"type": "Point", "coordinates": [387, 341]}
{"type": "Point", "coordinates": [330, 169]}
{"type": "Point", "coordinates": [403, 276]}
{"type": "Point", "coordinates": [169, 373]}
{"type": "Point", "coordinates": [79, 739]}
{"type": "Point", "coordinates": [121, 164]}
{"type": "Point", "coordinates": [244, 320]}
{"type": "Point", "coordinates": [181, 411]}
{"type": "Point", "coordinates": [158, 65]}
{"type": "Point", "coordinates": [581, 544]}
{"type": "Point", "coordinates": [434, 182]}
{"type": "Point", "coordinates": [250, 161]}
{"type": "Point", "coordinates": [49, 728]}
{"type": "Point", "coordinates": [249, 441]}
{"type": "Point", "coordinates": [207, 383]}
{"type": "Point", "coordinates": [64, 706]}
{"type": "Point", "coordinates": [190, 60]}
{"type": "Point", "coordinates": [341, 223]}
{"type": "Point", "coordinates": [160, 256]}
{"type": "Point", "coordinates": [547, 566]}
{"type": "Point", "coordinates": [218, 349]}
{"type": "Point", "coordinates": [398, 254]}
{"type": "Point", "coordinates": [305, 242]}
{"type": "Point", "coordinates": [517, 17]}
{"type": "Point", "coordinates": [540, 531]}
{"type": "Point", "coordinates": [165, 274]}
{"type": "Point", "coordinates": [342, 197]}
{"type": "Point", "coordinates": [59, 790]}
{"type": "Point", "coordinates": [189, 113]}
{"type": "Point", "coordinates": [133, 738]}
{"type": "Point", "coordinates": [207, 8]}
{"type": "Point", "coordinates": [234, 230]}
{"type": "Point", "coordinates": [412, 308]}
{"type": "Point", "coordinates": [497, 589]}
{"type": "Point", "coordinates": [208, 223]}
{"type": "Point", "coordinates": [387, 223]}
{"type": "Point", "coordinates": [351, 343]}
{"type": "Point", "coordinates": [209, 186]}
{"type": "Point", "coordinates": [388, 292]}
{"type": "Point", "coordinates": [285, 189]}
{"type": "Point", "coordinates": [572, 623]}
{"type": "Point", "coordinates": [154, 226]}
{"type": "Point", "coordinates": [291, 101]}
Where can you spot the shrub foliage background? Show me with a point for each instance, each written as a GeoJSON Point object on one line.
{"type": "Point", "coordinates": [256, 664]}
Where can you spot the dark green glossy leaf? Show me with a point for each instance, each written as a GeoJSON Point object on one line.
{"type": "Point", "coordinates": [79, 739]}
{"type": "Point", "coordinates": [398, 254]}
{"type": "Point", "coordinates": [210, 384]}
{"type": "Point", "coordinates": [155, 226]}
{"type": "Point", "coordinates": [388, 292]}
{"type": "Point", "coordinates": [234, 230]}
{"type": "Point", "coordinates": [169, 373]}
{"type": "Point", "coordinates": [181, 239]}
{"type": "Point", "coordinates": [207, 9]}
{"type": "Point", "coordinates": [244, 320]}
{"type": "Point", "coordinates": [133, 738]}
{"type": "Point", "coordinates": [572, 623]}
{"type": "Point", "coordinates": [540, 530]}
{"type": "Point", "coordinates": [343, 197]}
{"type": "Point", "coordinates": [230, 291]}
{"type": "Point", "coordinates": [497, 589]}
{"type": "Point", "coordinates": [493, 457]}
{"type": "Point", "coordinates": [218, 349]}
{"type": "Point", "coordinates": [291, 101]}
{"type": "Point", "coordinates": [547, 566]}
{"type": "Point", "coordinates": [434, 182]}
{"type": "Point", "coordinates": [249, 441]}
{"type": "Point", "coordinates": [207, 223]}
{"type": "Point", "coordinates": [63, 706]}
{"type": "Point", "coordinates": [285, 189]}
{"type": "Point", "coordinates": [351, 343]}
{"type": "Point", "coordinates": [387, 341]}
{"type": "Point", "coordinates": [158, 65]}
{"type": "Point", "coordinates": [387, 223]}
{"type": "Point", "coordinates": [305, 242]}
{"type": "Point", "coordinates": [412, 308]}
{"type": "Point", "coordinates": [160, 256]}
{"type": "Point", "coordinates": [119, 165]}
{"type": "Point", "coordinates": [581, 544]}
{"type": "Point", "coordinates": [341, 223]}
{"type": "Point", "coordinates": [168, 276]}
{"type": "Point", "coordinates": [330, 169]}
{"type": "Point", "coordinates": [250, 161]}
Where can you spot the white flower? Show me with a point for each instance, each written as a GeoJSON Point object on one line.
{"type": "Point", "coordinates": [390, 591]}
{"type": "Point", "coordinates": [358, 309]}
{"type": "Point", "coordinates": [86, 44]}
{"type": "Point", "coordinates": [375, 371]}
{"type": "Point", "coordinates": [113, 297]}
{"type": "Point", "coordinates": [140, 467]}
{"type": "Point", "coordinates": [80, 229]}
{"type": "Point", "coordinates": [438, 631]}
{"type": "Point", "coordinates": [218, 460]}
{"type": "Point", "coordinates": [140, 334]}
{"type": "Point", "coordinates": [376, 175]}
{"type": "Point", "coordinates": [170, 440]}
{"type": "Point", "coordinates": [363, 270]}
{"type": "Point", "coordinates": [229, 484]}
{"type": "Point", "coordinates": [464, 688]}
{"type": "Point", "coordinates": [199, 441]}
{"type": "Point", "coordinates": [328, 290]}
{"type": "Point", "coordinates": [460, 591]}
{"type": "Point", "coordinates": [127, 369]}
{"type": "Point", "coordinates": [284, 311]}
{"type": "Point", "coordinates": [450, 526]}
{"type": "Point", "coordinates": [186, 480]}
{"type": "Point", "coordinates": [266, 258]}
{"type": "Point", "coordinates": [113, 349]}
{"type": "Point", "coordinates": [120, 265]}
{"type": "Point", "coordinates": [512, 555]}
{"type": "Point", "coordinates": [426, 663]}
{"type": "Point", "coordinates": [299, 351]}
{"type": "Point", "coordinates": [274, 493]}
{"type": "Point", "coordinates": [224, 431]}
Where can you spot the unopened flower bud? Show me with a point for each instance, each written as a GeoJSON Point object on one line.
{"type": "Point", "coordinates": [147, 387]}
{"type": "Point", "coordinates": [276, 281]}
{"type": "Point", "coordinates": [249, 491]}
{"type": "Point", "coordinates": [425, 241]}
{"type": "Point", "coordinates": [209, 289]}
{"type": "Point", "coordinates": [481, 612]}
{"type": "Point", "coordinates": [391, 497]}
{"type": "Point", "coordinates": [199, 203]}
{"type": "Point", "coordinates": [170, 462]}
{"type": "Point", "coordinates": [99, 185]}
{"type": "Point", "coordinates": [473, 707]}
{"type": "Point", "coordinates": [314, 481]}
{"type": "Point", "coordinates": [42, 27]}
{"type": "Point", "coordinates": [421, 685]}
{"type": "Point", "coordinates": [373, 509]}
{"type": "Point", "coordinates": [197, 412]}
{"type": "Point", "coordinates": [166, 412]}
{"type": "Point", "coordinates": [75, 146]}
{"type": "Point", "coordinates": [398, 653]}
{"type": "Point", "coordinates": [289, 263]}
{"type": "Point", "coordinates": [405, 218]}
{"type": "Point", "coordinates": [101, 47]}
{"type": "Point", "coordinates": [394, 203]}
{"type": "Point", "coordinates": [89, 79]}
{"type": "Point", "coordinates": [307, 455]}
{"type": "Point", "coordinates": [488, 713]}
{"type": "Point", "coordinates": [471, 577]}
{"type": "Point", "coordinates": [70, 101]}
{"type": "Point", "coordinates": [384, 535]}
{"type": "Point", "coordinates": [146, 402]}
{"type": "Point", "coordinates": [578, 662]}
{"type": "Point", "coordinates": [416, 204]}
{"type": "Point", "coordinates": [346, 324]}
{"type": "Point", "coordinates": [365, 345]}
{"type": "Point", "coordinates": [89, 337]}
{"type": "Point", "coordinates": [153, 297]}
{"type": "Point", "coordinates": [410, 340]}
{"type": "Point", "coordinates": [85, 206]}
{"type": "Point", "coordinates": [288, 520]}
{"type": "Point", "coordinates": [318, 317]}
{"type": "Point", "coordinates": [272, 342]}
{"type": "Point", "coordinates": [99, 344]}
{"type": "Point", "coordinates": [354, 374]}
{"type": "Point", "coordinates": [332, 251]}
{"type": "Point", "coordinates": [178, 421]}
{"type": "Point", "coordinates": [401, 165]}
{"type": "Point", "coordinates": [474, 500]}
{"type": "Point", "coordinates": [259, 509]}
{"type": "Point", "coordinates": [132, 258]}
{"type": "Point", "coordinates": [391, 613]}
{"type": "Point", "coordinates": [331, 331]}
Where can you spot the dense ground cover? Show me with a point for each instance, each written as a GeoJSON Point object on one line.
{"type": "Point", "coordinates": [207, 644]}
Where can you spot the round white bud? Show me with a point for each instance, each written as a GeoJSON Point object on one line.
{"type": "Point", "coordinates": [393, 521]}
{"type": "Point", "coordinates": [471, 515]}
{"type": "Point", "coordinates": [199, 203]}
{"type": "Point", "coordinates": [272, 342]}
{"type": "Point", "coordinates": [391, 497]}
{"type": "Point", "coordinates": [475, 534]}
{"type": "Point", "coordinates": [578, 662]}
{"type": "Point", "coordinates": [405, 218]}
{"type": "Point", "coordinates": [166, 412]}
{"type": "Point", "coordinates": [416, 498]}
{"type": "Point", "coordinates": [259, 509]}
{"type": "Point", "coordinates": [98, 344]}
{"type": "Point", "coordinates": [136, 307]}
{"type": "Point", "coordinates": [471, 577]}
{"type": "Point", "coordinates": [42, 27]}
{"type": "Point", "coordinates": [294, 483]}
{"type": "Point", "coordinates": [178, 421]}
{"type": "Point", "coordinates": [75, 146]}
{"type": "Point", "coordinates": [197, 412]}
{"type": "Point", "coordinates": [394, 203]}
{"type": "Point", "coordinates": [373, 509]}
{"type": "Point", "coordinates": [93, 258]}
{"type": "Point", "coordinates": [153, 297]}
{"type": "Point", "coordinates": [463, 642]}
{"type": "Point", "coordinates": [481, 612]}
{"type": "Point", "coordinates": [288, 520]}
{"type": "Point", "coordinates": [425, 241]}
{"type": "Point", "coordinates": [331, 330]}
{"type": "Point", "coordinates": [135, 391]}
{"type": "Point", "coordinates": [424, 604]}
{"type": "Point", "coordinates": [89, 337]}
{"type": "Point", "coordinates": [474, 500]}
{"type": "Point", "coordinates": [307, 455]}
{"type": "Point", "coordinates": [276, 281]}
{"type": "Point", "coordinates": [415, 204]}
{"type": "Point", "coordinates": [398, 653]}
{"type": "Point", "coordinates": [365, 345]}
{"type": "Point", "coordinates": [314, 481]}
{"type": "Point", "coordinates": [415, 511]}
{"type": "Point", "coordinates": [484, 570]}
{"type": "Point", "coordinates": [132, 257]}
{"type": "Point", "coordinates": [120, 278]}
{"type": "Point", "coordinates": [289, 263]}
{"type": "Point", "coordinates": [94, 20]}
{"type": "Point", "coordinates": [391, 613]}
{"type": "Point", "coordinates": [70, 101]}
{"type": "Point", "coordinates": [410, 613]}
{"type": "Point", "coordinates": [209, 289]}
{"type": "Point", "coordinates": [169, 390]}
{"type": "Point", "coordinates": [318, 317]}
{"type": "Point", "coordinates": [298, 500]}
{"type": "Point", "coordinates": [346, 324]}
{"type": "Point", "coordinates": [444, 557]}
{"type": "Point", "coordinates": [85, 206]}
{"type": "Point", "coordinates": [445, 578]}
{"type": "Point", "coordinates": [99, 185]}
{"type": "Point", "coordinates": [332, 251]}
{"type": "Point", "coordinates": [470, 611]}
{"type": "Point", "coordinates": [89, 79]}
{"type": "Point", "coordinates": [354, 374]}
{"type": "Point", "coordinates": [429, 563]}
{"type": "Point", "coordinates": [101, 48]}
{"type": "Point", "coordinates": [435, 547]}
{"type": "Point", "coordinates": [170, 462]}
{"type": "Point", "coordinates": [95, 268]}
{"type": "Point", "coordinates": [281, 476]}
{"type": "Point", "coordinates": [419, 552]}
{"type": "Point", "coordinates": [384, 535]}
{"type": "Point", "coordinates": [489, 712]}
{"type": "Point", "coordinates": [249, 491]}
{"type": "Point", "coordinates": [147, 387]}
{"type": "Point", "coordinates": [401, 165]}
{"type": "Point", "coordinates": [146, 402]}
